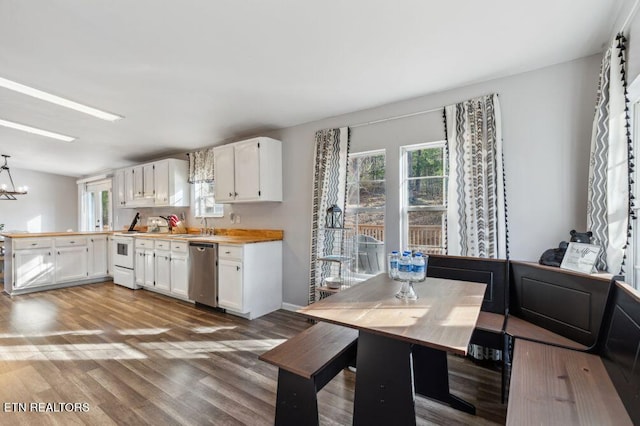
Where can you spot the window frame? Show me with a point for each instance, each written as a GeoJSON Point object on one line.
{"type": "Point", "coordinates": [197, 196]}
{"type": "Point", "coordinates": [404, 206]}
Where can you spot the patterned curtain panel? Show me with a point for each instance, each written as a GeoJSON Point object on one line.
{"type": "Point", "coordinates": [476, 219]}
{"type": "Point", "coordinates": [201, 166]}
{"type": "Point", "coordinates": [609, 207]}
{"type": "Point", "coordinates": [329, 187]}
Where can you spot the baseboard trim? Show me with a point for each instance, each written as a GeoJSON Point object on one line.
{"type": "Point", "coordinates": [291, 307]}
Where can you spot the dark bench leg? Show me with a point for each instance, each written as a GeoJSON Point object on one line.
{"type": "Point", "coordinates": [432, 378]}
{"type": "Point", "coordinates": [296, 402]}
{"type": "Point", "coordinates": [384, 394]}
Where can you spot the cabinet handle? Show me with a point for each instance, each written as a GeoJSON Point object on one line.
{"type": "Point", "coordinates": [230, 194]}
{"type": "Point", "coordinates": [227, 252]}
{"type": "Point", "coordinates": [235, 193]}
{"type": "Point", "coordinates": [58, 253]}
{"type": "Point", "coordinates": [237, 268]}
{"type": "Point", "coordinates": [34, 244]}
{"type": "Point", "coordinates": [72, 242]}
{"type": "Point", "coordinates": [49, 253]}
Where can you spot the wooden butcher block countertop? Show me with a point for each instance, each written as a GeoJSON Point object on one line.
{"type": "Point", "coordinates": [52, 234]}
{"type": "Point", "coordinates": [222, 236]}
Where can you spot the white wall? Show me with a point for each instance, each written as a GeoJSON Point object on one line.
{"type": "Point", "coordinates": [547, 116]}
{"type": "Point", "coordinates": [50, 205]}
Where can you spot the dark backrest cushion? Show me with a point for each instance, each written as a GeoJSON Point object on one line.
{"type": "Point", "coordinates": [492, 272]}
{"type": "Point", "coordinates": [621, 346]}
{"type": "Point", "coordinates": [567, 303]}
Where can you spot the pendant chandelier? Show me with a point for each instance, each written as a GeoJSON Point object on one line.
{"type": "Point", "coordinates": [7, 193]}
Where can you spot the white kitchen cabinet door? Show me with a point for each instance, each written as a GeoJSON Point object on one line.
{"type": "Point", "coordinates": [98, 257]}
{"type": "Point", "coordinates": [138, 181]}
{"type": "Point", "coordinates": [247, 170]}
{"type": "Point", "coordinates": [129, 190]}
{"type": "Point", "coordinates": [148, 181]}
{"type": "Point", "coordinates": [163, 270]}
{"type": "Point", "coordinates": [162, 183]}
{"type": "Point", "coordinates": [224, 173]}
{"type": "Point", "coordinates": [119, 193]}
{"type": "Point", "coordinates": [230, 291]}
{"type": "Point", "coordinates": [33, 267]}
{"type": "Point", "coordinates": [180, 275]}
{"type": "Point", "coordinates": [149, 268]}
{"type": "Point", "coordinates": [140, 265]}
{"type": "Point", "coordinates": [71, 263]}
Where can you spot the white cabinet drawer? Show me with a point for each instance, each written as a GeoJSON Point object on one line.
{"type": "Point", "coordinates": [162, 245]}
{"type": "Point", "coordinates": [179, 246]}
{"type": "Point", "coordinates": [144, 243]}
{"type": "Point", "coordinates": [71, 241]}
{"type": "Point", "coordinates": [230, 252]}
{"type": "Point", "coordinates": [29, 243]}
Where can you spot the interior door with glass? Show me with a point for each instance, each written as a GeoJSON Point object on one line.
{"type": "Point", "coordinates": [97, 207]}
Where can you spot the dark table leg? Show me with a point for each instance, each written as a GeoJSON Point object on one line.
{"type": "Point", "coordinates": [384, 390]}
{"type": "Point", "coordinates": [431, 373]}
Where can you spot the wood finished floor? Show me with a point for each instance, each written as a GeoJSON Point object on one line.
{"type": "Point", "coordinates": [136, 357]}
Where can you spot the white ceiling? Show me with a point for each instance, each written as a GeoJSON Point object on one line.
{"type": "Point", "coordinates": [192, 73]}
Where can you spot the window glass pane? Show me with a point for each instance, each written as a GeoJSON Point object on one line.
{"type": "Point", "coordinates": [371, 224]}
{"type": "Point", "coordinates": [425, 162]}
{"type": "Point", "coordinates": [372, 167]}
{"type": "Point", "coordinates": [426, 192]}
{"type": "Point", "coordinates": [372, 194]}
{"type": "Point", "coordinates": [205, 203]}
{"type": "Point", "coordinates": [352, 169]}
{"type": "Point", "coordinates": [426, 230]}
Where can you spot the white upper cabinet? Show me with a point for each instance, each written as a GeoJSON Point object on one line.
{"type": "Point", "coordinates": [248, 171]}
{"type": "Point", "coordinates": [161, 183]}
{"type": "Point", "coordinates": [224, 174]}
{"type": "Point", "coordinates": [172, 188]}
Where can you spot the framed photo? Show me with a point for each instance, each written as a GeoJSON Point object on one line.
{"type": "Point", "coordinates": [581, 257]}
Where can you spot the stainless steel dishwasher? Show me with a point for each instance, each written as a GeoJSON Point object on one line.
{"type": "Point", "coordinates": [203, 273]}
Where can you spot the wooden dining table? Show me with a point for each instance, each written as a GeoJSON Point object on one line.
{"type": "Point", "coordinates": [403, 344]}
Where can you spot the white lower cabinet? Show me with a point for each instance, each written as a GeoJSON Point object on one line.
{"type": "Point", "coordinates": [163, 266]}
{"type": "Point", "coordinates": [71, 263]}
{"type": "Point", "coordinates": [230, 290]}
{"type": "Point", "coordinates": [98, 258]}
{"type": "Point", "coordinates": [250, 278]}
{"type": "Point", "coordinates": [38, 262]}
{"type": "Point", "coordinates": [33, 267]}
{"type": "Point", "coordinates": [149, 268]}
{"type": "Point", "coordinates": [163, 270]}
{"type": "Point", "coordinates": [180, 269]}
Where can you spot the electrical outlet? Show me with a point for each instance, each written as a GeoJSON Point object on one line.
{"type": "Point", "coordinates": [237, 218]}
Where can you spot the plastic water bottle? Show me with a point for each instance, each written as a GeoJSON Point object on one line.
{"type": "Point", "coordinates": [418, 267]}
{"type": "Point", "coordinates": [404, 266]}
{"type": "Point", "coordinates": [393, 264]}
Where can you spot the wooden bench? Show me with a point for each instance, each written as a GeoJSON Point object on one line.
{"type": "Point", "coordinates": [556, 306]}
{"type": "Point", "coordinates": [489, 331]}
{"type": "Point", "coordinates": [306, 363]}
{"type": "Point", "coordinates": [555, 385]}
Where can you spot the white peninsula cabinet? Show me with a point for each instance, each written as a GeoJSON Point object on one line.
{"type": "Point", "coordinates": [248, 171]}
{"type": "Point", "coordinates": [250, 278]}
{"type": "Point", "coordinates": [40, 263]}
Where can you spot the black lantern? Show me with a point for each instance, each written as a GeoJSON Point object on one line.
{"type": "Point", "coordinates": [334, 217]}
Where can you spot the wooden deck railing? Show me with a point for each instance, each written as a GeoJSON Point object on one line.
{"type": "Point", "coordinates": [427, 238]}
